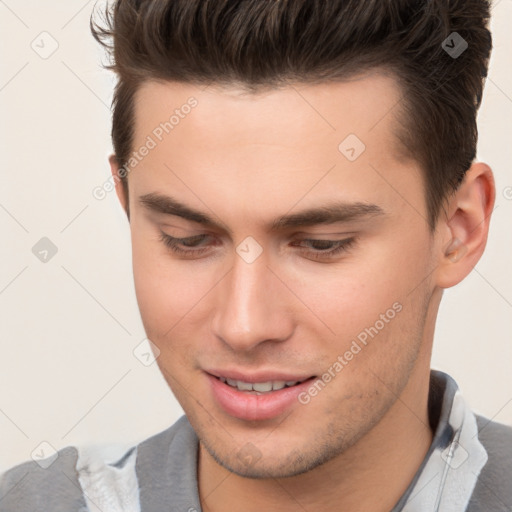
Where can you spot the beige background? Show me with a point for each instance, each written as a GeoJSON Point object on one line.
{"type": "Point", "coordinates": [68, 327]}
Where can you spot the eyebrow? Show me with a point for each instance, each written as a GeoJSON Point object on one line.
{"type": "Point", "coordinates": [329, 213]}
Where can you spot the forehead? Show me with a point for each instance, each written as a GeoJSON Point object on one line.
{"type": "Point", "coordinates": [273, 145]}
{"type": "Point", "coordinates": [365, 105]}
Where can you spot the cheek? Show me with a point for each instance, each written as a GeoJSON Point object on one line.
{"type": "Point", "coordinates": [174, 297]}
{"type": "Point", "coordinates": [350, 296]}
{"type": "Point", "coordinates": [166, 289]}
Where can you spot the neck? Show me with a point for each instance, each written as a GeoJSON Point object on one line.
{"type": "Point", "coordinates": [384, 462]}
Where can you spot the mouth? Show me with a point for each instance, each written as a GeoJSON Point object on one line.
{"type": "Point", "coordinates": [260, 388]}
{"type": "Point", "coordinates": [257, 397]}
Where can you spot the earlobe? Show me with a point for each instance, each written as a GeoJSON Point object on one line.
{"type": "Point", "coordinates": [121, 191]}
{"type": "Point", "coordinates": [466, 226]}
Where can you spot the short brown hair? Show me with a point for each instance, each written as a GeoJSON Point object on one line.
{"type": "Point", "coordinates": [266, 43]}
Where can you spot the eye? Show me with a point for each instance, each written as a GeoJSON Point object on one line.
{"type": "Point", "coordinates": [325, 249]}
{"type": "Point", "coordinates": [189, 242]}
{"type": "Point", "coordinates": [315, 248]}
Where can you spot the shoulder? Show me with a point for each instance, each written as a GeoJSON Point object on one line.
{"type": "Point", "coordinates": [51, 483]}
{"type": "Point", "coordinates": [493, 490]}
{"type": "Point", "coordinates": [166, 468]}
{"type": "Point", "coordinates": [70, 478]}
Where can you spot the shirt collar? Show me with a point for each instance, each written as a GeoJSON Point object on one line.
{"type": "Point", "coordinates": [447, 476]}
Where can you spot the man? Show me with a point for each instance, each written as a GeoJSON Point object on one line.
{"type": "Point", "coordinates": [300, 184]}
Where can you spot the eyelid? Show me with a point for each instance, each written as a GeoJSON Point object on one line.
{"type": "Point", "coordinates": [341, 246]}
{"type": "Point", "coordinates": [338, 237]}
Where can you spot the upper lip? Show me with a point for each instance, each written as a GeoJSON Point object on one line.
{"type": "Point", "coordinates": [260, 376]}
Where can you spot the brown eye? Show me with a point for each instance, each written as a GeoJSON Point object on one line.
{"type": "Point", "coordinates": [325, 249]}
{"type": "Point", "coordinates": [184, 245]}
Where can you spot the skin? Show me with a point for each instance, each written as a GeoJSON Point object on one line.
{"type": "Point", "coordinates": [246, 160]}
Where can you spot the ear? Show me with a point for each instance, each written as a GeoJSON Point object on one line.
{"type": "Point", "coordinates": [465, 228]}
{"type": "Point", "coordinates": [121, 189]}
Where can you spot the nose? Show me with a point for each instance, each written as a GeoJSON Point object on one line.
{"type": "Point", "coordinates": [253, 306]}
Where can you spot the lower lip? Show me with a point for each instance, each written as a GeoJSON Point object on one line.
{"type": "Point", "coordinates": [251, 407]}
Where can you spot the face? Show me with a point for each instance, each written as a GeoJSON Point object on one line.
{"type": "Point", "coordinates": [269, 250]}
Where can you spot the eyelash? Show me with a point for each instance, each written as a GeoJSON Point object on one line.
{"type": "Point", "coordinates": [341, 246]}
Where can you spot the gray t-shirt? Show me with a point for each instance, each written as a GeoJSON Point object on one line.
{"type": "Point", "coordinates": [467, 468]}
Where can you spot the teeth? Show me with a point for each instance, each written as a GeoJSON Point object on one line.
{"type": "Point", "coordinates": [259, 387]}
{"type": "Point", "coordinates": [278, 384]}
{"type": "Point", "coordinates": [262, 386]}
{"type": "Point", "coordinates": [244, 386]}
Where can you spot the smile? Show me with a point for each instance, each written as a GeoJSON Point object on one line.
{"type": "Point", "coordinates": [263, 399]}
{"type": "Point", "coordinates": [259, 387]}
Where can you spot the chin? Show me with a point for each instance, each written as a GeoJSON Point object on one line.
{"type": "Point", "coordinates": [279, 457]}
{"type": "Point", "coordinates": [271, 465]}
